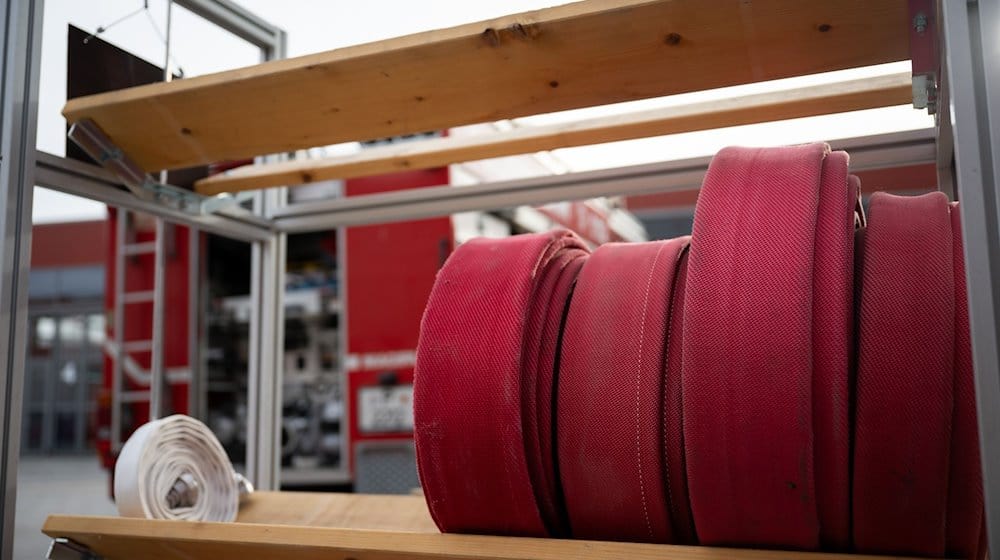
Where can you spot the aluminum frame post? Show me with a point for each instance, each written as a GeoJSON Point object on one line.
{"type": "Point", "coordinates": [20, 31]}
{"type": "Point", "coordinates": [267, 326]}
{"type": "Point", "coordinates": [197, 385]}
{"type": "Point", "coordinates": [118, 318]}
{"type": "Point", "coordinates": [157, 382]}
{"type": "Point", "coordinates": [240, 22]}
{"type": "Point", "coordinates": [267, 330]}
{"type": "Point", "coordinates": [973, 68]}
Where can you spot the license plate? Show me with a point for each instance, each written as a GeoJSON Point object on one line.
{"type": "Point", "coordinates": [385, 409]}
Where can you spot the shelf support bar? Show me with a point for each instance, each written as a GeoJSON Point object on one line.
{"type": "Point", "coordinates": [92, 140]}
{"type": "Point", "coordinates": [66, 549]}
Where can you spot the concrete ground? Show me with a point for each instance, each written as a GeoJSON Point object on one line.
{"type": "Point", "coordinates": [55, 484]}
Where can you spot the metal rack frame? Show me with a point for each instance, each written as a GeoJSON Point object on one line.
{"type": "Point", "coordinates": [968, 134]}
{"type": "Point", "coordinates": [972, 59]}
{"type": "Point", "coordinates": [20, 30]}
{"type": "Point", "coordinates": [22, 168]}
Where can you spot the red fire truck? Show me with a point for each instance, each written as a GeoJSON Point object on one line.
{"type": "Point", "coordinates": [353, 302]}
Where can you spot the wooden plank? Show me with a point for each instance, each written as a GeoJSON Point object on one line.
{"type": "Point", "coordinates": [346, 511]}
{"type": "Point", "coordinates": [116, 538]}
{"type": "Point", "coordinates": [826, 99]}
{"type": "Point", "coordinates": [578, 55]}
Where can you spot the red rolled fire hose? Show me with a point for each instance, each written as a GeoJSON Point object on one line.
{"type": "Point", "coordinates": [832, 340]}
{"type": "Point", "coordinates": [904, 400]}
{"type": "Point", "coordinates": [609, 419]}
{"type": "Point", "coordinates": [469, 385]}
{"type": "Point", "coordinates": [753, 391]}
{"type": "Point", "coordinates": [552, 290]}
{"type": "Point", "coordinates": [787, 380]}
{"type": "Point", "coordinates": [673, 414]}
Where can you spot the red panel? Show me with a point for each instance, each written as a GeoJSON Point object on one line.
{"type": "Point", "coordinates": [911, 178]}
{"type": "Point", "coordinates": [390, 269]}
{"type": "Point", "coordinates": [69, 244]}
{"type": "Point", "coordinates": [675, 199]}
{"type": "Point", "coordinates": [923, 37]}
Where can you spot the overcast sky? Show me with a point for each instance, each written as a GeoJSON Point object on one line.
{"type": "Point", "coordinates": [315, 25]}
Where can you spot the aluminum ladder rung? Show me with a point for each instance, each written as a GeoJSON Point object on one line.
{"type": "Point", "coordinates": [138, 346]}
{"type": "Point", "coordinates": [135, 396]}
{"type": "Point", "coordinates": [146, 248]}
{"type": "Point", "coordinates": [121, 396]}
{"type": "Point", "coordinates": [144, 296]}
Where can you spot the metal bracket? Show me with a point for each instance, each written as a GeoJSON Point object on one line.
{"type": "Point", "coordinates": [65, 549]}
{"type": "Point", "coordinates": [924, 54]}
{"type": "Point", "coordinates": [925, 93]}
{"type": "Point", "coordinates": [86, 134]}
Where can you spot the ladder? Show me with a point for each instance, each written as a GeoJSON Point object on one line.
{"type": "Point", "coordinates": [120, 350]}
{"type": "Point", "coordinates": [121, 357]}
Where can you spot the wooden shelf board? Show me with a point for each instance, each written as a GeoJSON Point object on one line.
{"type": "Point", "coordinates": [854, 95]}
{"type": "Point", "coordinates": [314, 526]}
{"type": "Point", "coordinates": [578, 55]}
{"type": "Point", "coordinates": [345, 511]}
{"type": "Point", "coordinates": [307, 526]}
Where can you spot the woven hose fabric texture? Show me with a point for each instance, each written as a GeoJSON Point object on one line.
{"type": "Point", "coordinates": [477, 355]}
{"type": "Point", "coordinates": [833, 346]}
{"type": "Point", "coordinates": [610, 398]}
{"type": "Point", "coordinates": [767, 325]}
{"type": "Point", "coordinates": [556, 279]}
{"type": "Point", "coordinates": [794, 375]}
{"type": "Point", "coordinates": [673, 413]}
{"type": "Point", "coordinates": [906, 334]}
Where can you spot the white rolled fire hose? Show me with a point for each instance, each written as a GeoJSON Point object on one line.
{"type": "Point", "coordinates": [175, 468]}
